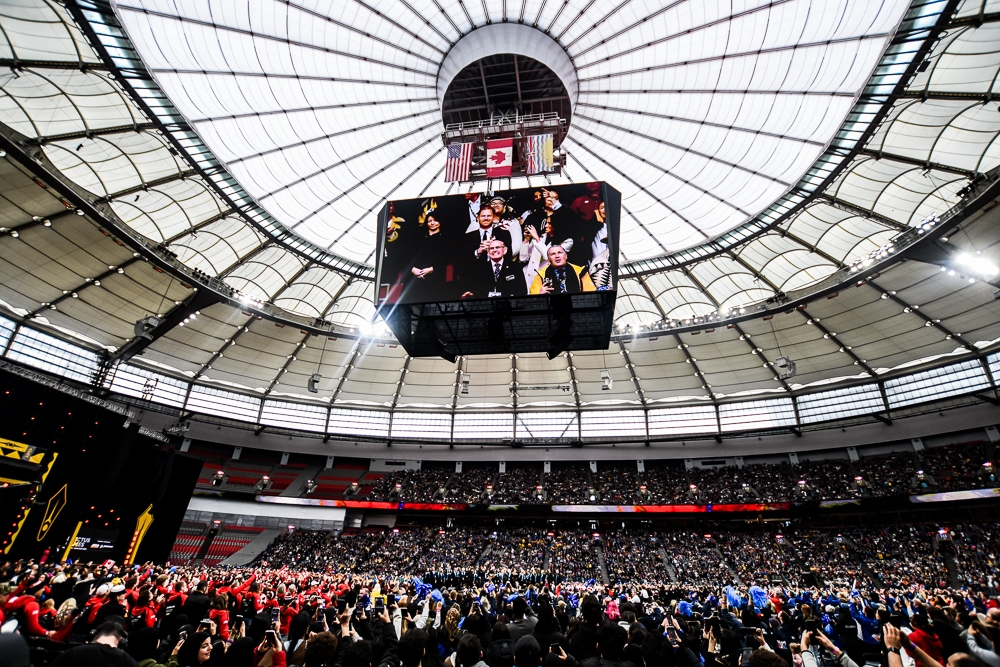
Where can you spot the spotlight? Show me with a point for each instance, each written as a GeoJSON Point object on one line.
{"type": "Point", "coordinates": [145, 326]}
{"type": "Point", "coordinates": [607, 380]}
{"type": "Point", "coordinates": [785, 367]}
{"type": "Point", "coordinates": [466, 381]}
{"type": "Point", "coordinates": [312, 382]}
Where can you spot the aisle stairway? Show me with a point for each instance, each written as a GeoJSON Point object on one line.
{"type": "Point", "coordinates": [298, 487]}
{"type": "Point", "coordinates": [667, 566]}
{"type": "Point", "coordinates": [852, 550]}
{"type": "Point", "coordinates": [729, 567]}
{"type": "Point", "coordinates": [952, 566]}
{"type": "Point", "coordinates": [254, 548]}
{"type": "Point", "coordinates": [599, 550]}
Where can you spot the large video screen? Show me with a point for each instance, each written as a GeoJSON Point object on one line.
{"type": "Point", "coordinates": [546, 240]}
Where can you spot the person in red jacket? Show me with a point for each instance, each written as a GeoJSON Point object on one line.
{"type": "Point", "coordinates": [161, 585]}
{"type": "Point", "coordinates": [923, 636]}
{"type": "Point", "coordinates": [26, 607]}
{"type": "Point", "coordinates": [289, 610]}
{"type": "Point", "coordinates": [220, 614]}
{"type": "Point", "coordinates": [143, 614]}
{"type": "Point", "coordinates": [175, 601]}
{"type": "Point", "coordinates": [94, 604]}
{"type": "Point", "coordinates": [5, 592]}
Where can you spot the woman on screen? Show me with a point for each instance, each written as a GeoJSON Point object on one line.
{"type": "Point", "coordinates": [430, 275]}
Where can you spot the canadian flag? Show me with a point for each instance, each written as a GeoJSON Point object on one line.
{"type": "Point", "coordinates": [498, 157]}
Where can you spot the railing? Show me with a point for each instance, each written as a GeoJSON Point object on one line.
{"type": "Point", "coordinates": [494, 121]}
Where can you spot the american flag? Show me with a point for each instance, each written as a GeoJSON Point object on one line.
{"type": "Point", "coordinates": [459, 162]}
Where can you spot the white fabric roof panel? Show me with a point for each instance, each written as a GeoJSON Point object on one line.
{"type": "Point", "coordinates": [52, 102]}
{"type": "Point", "coordinates": [39, 32]}
{"type": "Point", "coordinates": [169, 210]}
{"type": "Point", "coordinates": [226, 65]}
{"type": "Point", "coordinates": [708, 159]}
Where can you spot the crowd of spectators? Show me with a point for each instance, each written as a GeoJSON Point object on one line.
{"type": "Point", "coordinates": [760, 559]}
{"type": "Point", "coordinates": [721, 484]}
{"type": "Point", "coordinates": [666, 482]}
{"type": "Point", "coordinates": [977, 554]}
{"type": "Point", "coordinates": [618, 486]}
{"type": "Point", "coordinates": [951, 468]}
{"type": "Point", "coordinates": [517, 486]}
{"type": "Point", "coordinates": [823, 479]}
{"type": "Point", "coordinates": [696, 559]}
{"type": "Point", "coordinates": [415, 486]}
{"type": "Point", "coordinates": [300, 549]}
{"type": "Point", "coordinates": [958, 467]}
{"type": "Point", "coordinates": [452, 554]}
{"type": "Point", "coordinates": [825, 554]}
{"type": "Point", "coordinates": [910, 554]}
{"type": "Point", "coordinates": [567, 484]}
{"type": "Point", "coordinates": [473, 485]}
{"type": "Point", "coordinates": [887, 474]}
{"type": "Point", "coordinates": [769, 482]}
{"type": "Point", "coordinates": [573, 556]}
{"type": "Point", "coordinates": [901, 554]}
{"type": "Point", "coordinates": [472, 597]}
{"type": "Point", "coordinates": [517, 554]}
{"type": "Point", "coordinates": [634, 555]}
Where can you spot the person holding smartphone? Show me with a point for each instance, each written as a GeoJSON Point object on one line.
{"type": "Point", "coordinates": [815, 641]}
{"type": "Point", "coordinates": [192, 650]}
{"type": "Point", "coordinates": [270, 651]}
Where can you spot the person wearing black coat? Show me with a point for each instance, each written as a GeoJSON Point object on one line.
{"type": "Point", "coordinates": [583, 642]}
{"type": "Point", "coordinates": [432, 273]}
{"type": "Point", "coordinates": [500, 652]}
{"type": "Point", "coordinates": [499, 276]}
{"type": "Point", "coordinates": [102, 651]}
{"type": "Point", "coordinates": [547, 630]}
{"type": "Point", "coordinates": [475, 242]}
{"type": "Point", "coordinates": [611, 640]}
{"type": "Point", "coordinates": [197, 604]}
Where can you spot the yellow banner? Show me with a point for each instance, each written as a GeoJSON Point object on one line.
{"type": "Point", "coordinates": [18, 450]}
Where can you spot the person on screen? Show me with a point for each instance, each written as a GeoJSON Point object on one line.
{"type": "Point", "coordinates": [561, 277]}
{"type": "Point", "coordinates": [506, 217]}
{"type": "Point", "coordinates": [534, 253]}
{"type": "Point", "coordinates": [498, 277]}
{"type": "Point", "coordinates": [430, 274]}
{"type": "Point", "coordinates": [586, 214]}
{"type": "Point", "coordinates": [478, 240]}
{"type": "Point", "coordinates": [553, 217]}
{"type": "Point", "coordinates": [600, 265]}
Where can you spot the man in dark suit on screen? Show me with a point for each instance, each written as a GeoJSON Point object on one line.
{"type": "Point", "coordinates": [497, 277]}
{"type": "Point", "coordinates": [477, 241]}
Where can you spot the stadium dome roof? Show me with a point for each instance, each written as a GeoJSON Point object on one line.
{"type": "Point", "coordinates": [772, 156]}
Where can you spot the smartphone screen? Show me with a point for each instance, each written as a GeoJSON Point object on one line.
{"type": "Point", "coordinates": [274, 614]}
{"type": "Point", "coordinates": [671, 633]}
{"type": "Point", "coordinates": [341, 606]}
